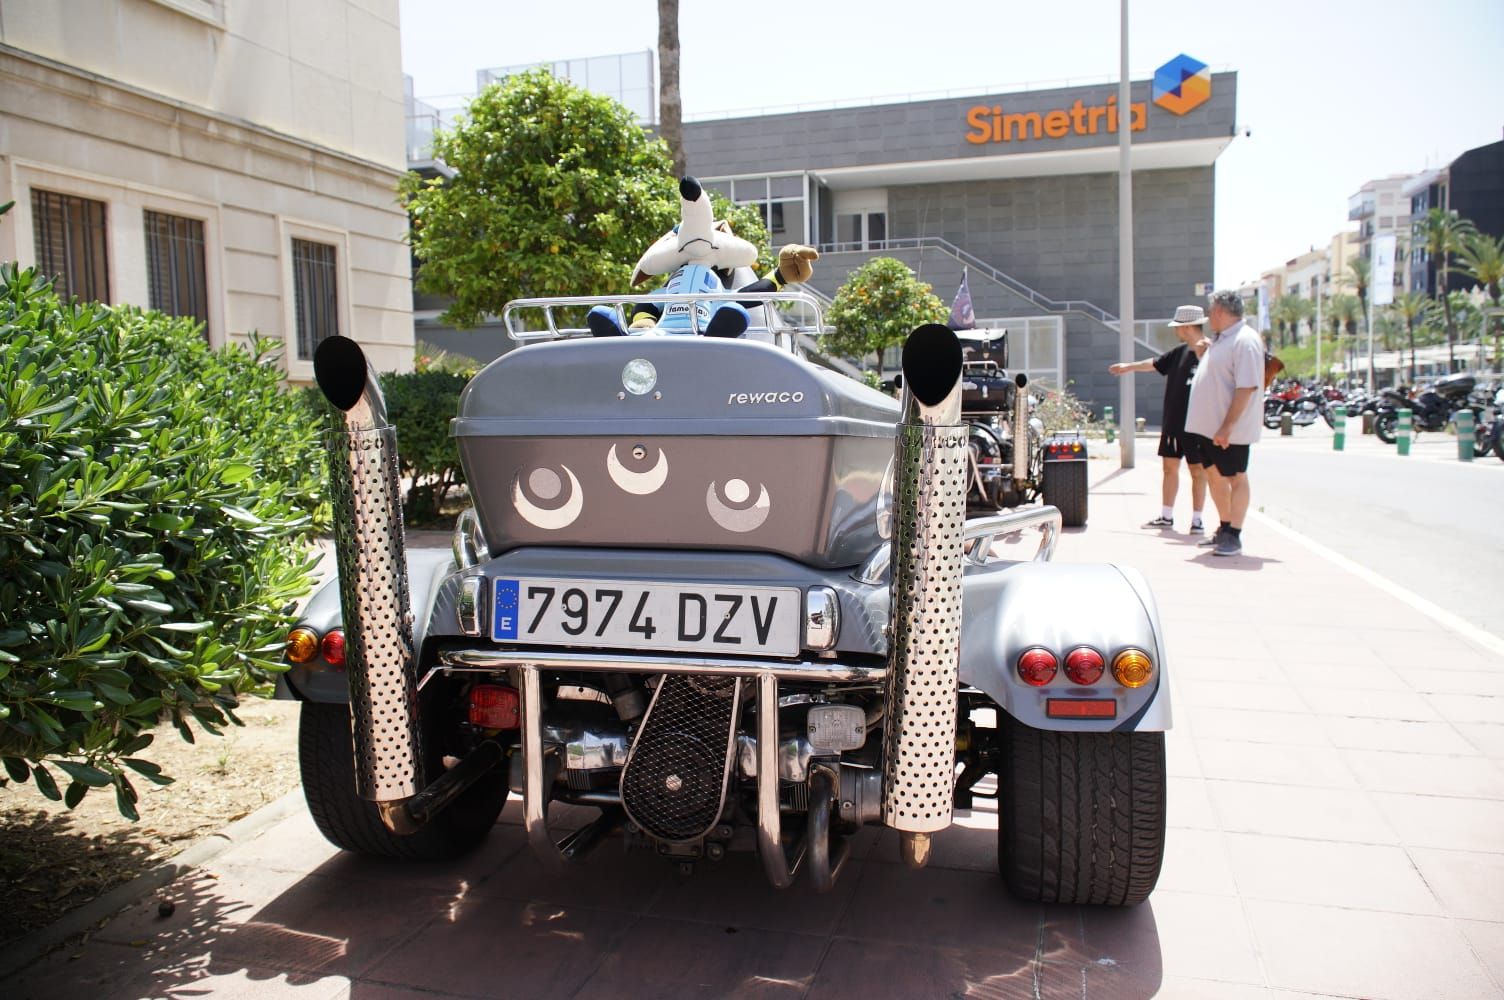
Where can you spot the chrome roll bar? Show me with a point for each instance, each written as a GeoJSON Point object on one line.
{"type": "Point", "coordinates": [979, 534]}
{"type": "Point", "coordinates": [513, 312]}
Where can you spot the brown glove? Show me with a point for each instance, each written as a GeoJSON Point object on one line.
{"type": "Point", "coordinates": [795, 263]}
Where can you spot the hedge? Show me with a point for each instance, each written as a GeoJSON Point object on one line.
{"type": "Point", "coordinates": [157, 495]}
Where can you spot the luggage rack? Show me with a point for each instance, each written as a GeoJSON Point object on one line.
{"type": "Point", "coordinates": [782, 331]}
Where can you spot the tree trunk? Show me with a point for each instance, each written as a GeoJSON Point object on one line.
{"type": "Point", "coordinates": [670, 107]}
{"type": "Point", "coordinates": [1410, 325]}
{"type": "Point", "coordinates": [1446, 306]}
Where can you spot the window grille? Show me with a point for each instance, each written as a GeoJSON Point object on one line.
{"type": "Point", "coordinates": [176, 277]}
{"type": "Point", "coordinates": [315, 293]}
{"type": "Point", "coordinates": [71, 244]}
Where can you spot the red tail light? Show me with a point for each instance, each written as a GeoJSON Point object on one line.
{"type": "Point", "coordinates": [332, 649]}
{"type": "Point", "coordinates": [1037, 666]}
{"type": "Point", "coordinates": [1084, 666]}
{"type": "Point", "coordinates": [494, 706]}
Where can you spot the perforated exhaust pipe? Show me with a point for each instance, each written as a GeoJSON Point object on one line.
{"type": "Point", "coordinates": [929, 514]}
{"type": "Point", "coordinates": [373, 586]}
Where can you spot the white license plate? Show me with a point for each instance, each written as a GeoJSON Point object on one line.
{"type": "Point", "coordinates": [620, 614]}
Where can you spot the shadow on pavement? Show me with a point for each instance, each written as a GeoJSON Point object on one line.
{"type": "Point", "coordinates": [1245, 563]}
{"type": "Point", "coordinates": [495, 924]}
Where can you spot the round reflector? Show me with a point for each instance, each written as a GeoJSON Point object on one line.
{"type": "Point", "coordinates": [1084, 665]}
{"type": "Point", "coordinates": [1037, 666]}
{"type": "Point", "coordinates": [302, 645]}
{"type": "Point", "coordinates": [333, 648]}
{"type": "Point", "coordinates": [1132, 668]}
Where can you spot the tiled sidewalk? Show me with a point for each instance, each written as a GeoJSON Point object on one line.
{"type": "Point", "coordinates": [1337, 828]}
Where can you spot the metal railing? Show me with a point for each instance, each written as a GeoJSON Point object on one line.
{"type": "Point", "coordinates": [785, 326]}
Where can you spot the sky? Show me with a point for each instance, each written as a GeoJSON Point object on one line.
{"type": "Point", "coordinates": [1333, 92]}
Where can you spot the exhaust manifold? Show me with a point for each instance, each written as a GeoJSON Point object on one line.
{"type": "Point", "coordinates": [929, 515]}
{"type": "Point", "coordinates": [373, 585]}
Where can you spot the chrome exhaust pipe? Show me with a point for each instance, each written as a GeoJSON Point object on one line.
{"type": "Point", "coordinates": [929, 514]}
{"type": "Point", "coordinates": [1020, 431]}
{"type": "Point", "coordinates": [373, 586]}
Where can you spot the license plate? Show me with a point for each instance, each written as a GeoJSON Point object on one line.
{"type": "Point", "coordinates": [621, 614]}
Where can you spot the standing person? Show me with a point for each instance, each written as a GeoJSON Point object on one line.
{"type": "Point", "coordinates": [1223, 417]}
{"type": "Point", "coordinates": [1178, 366]}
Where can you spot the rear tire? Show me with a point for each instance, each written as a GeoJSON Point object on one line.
{"type": "Point", "coordinates": [1064, 486]}
{"type": "Point", "coordinates": [1081, 816]}
{"type": "Point", "coordinates": [1384, 426]}
{"type": "Point", "coordinates": [326, 760]}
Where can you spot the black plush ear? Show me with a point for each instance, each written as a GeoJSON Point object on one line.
{"type": "Point", "coordinates": [690, 190]}
{"type": "Point", "coordinates": [932, 363]}
{"type": "Point", "coordinates": [340, 369]}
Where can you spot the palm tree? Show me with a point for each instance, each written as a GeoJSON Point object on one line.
{"type": "Point", "coordinates": [670, 107]}
{"type": "Point", "coordinates": [1482, 258]}
{"type": "Point", "coordinates": [1344, 314]}
{"type": "Point", "coordinates": [1359, 270]}
{"type": "Point", "coordinates": [1412, 306]}
{"type": "Point", "coordinates": [1286, 316]}
{"type": "Point", "coordinates": [1442, 234]}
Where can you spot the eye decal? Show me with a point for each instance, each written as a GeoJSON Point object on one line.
{"type": "Point", "coordinates": [640, 483]}
{"type": "Point", "coordinates": [747, 517]}
{"type": "Point", "coordinates": [547, 486]}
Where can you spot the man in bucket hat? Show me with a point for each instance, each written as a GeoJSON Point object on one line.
{"type": "Point", "coordinates": [1178, 366]}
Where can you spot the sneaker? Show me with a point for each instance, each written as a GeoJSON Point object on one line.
{"type": "Point", "coordinates": [1160, 522]}
{"type": "Point", "coordinates": [1210, 540]}
{"type": "Point", "coordinates": [1228, 545]}
{"type": "Point", "coordinates": [1196, 528]}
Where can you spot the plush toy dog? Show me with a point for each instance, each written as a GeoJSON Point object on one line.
{"type": "Point", "coordinates": [702, 256]}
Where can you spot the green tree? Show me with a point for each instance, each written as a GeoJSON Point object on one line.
{"type": "Point", "coordinates": [1482, 258]}
{"type": "Point", "coordinates": [1442, 233]}
{"type": "Point", "coordinates": [556, 191]}
{"type": "Point", "coordinates": [1412, 306]}
{"type": "Point", "coordinates": [879, 305]}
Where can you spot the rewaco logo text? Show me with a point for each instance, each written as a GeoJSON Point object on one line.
{"type": "Point", "coordinates": [746, 398]}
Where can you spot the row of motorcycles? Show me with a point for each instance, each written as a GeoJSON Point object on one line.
{"type": "Point", "coordinates": [1433, 408]}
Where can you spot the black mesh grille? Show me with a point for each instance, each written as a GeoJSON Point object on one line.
{"type": "Point", "coordinates": [675, 780]}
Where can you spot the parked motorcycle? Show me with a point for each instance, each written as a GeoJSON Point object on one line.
{"type": "Point", "coordinates": [1303, 406]}
{"type": "Point", "coordinates": [1431, 410]}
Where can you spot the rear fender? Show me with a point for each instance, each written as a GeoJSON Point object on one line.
{"type": "Point", "coordinates": [1064, 448]}
{"type": "Point", "coordinates": [317, 681]}
{"type": "Point", "coordinates": [1009, 608]}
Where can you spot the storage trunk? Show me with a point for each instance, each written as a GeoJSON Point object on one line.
{"type": "Point", "coordinates": [675, 442]}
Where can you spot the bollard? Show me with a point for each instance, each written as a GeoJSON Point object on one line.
{"type": "Point", "coordinates": [1112, 429]}
{"type": "Point", "coordinates": [1140, 423]}
{"type": "Point", "coordinates": [1368, 416]}
{"type": "Point", "coordinates": [1286, 425]}
{"type": "Point", "coordinates": [1402, 432]}
{"type": "Point", "coordinates": [1339, 428]}
{"type": "Point", "coordinates": [1465, 435]}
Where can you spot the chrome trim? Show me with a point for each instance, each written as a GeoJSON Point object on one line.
{"type": "Point", "coordinates": [980, 532]}
{"type": "Point", "coordinates": [468, 540]}
{"type": "Point", "coordinates": [469, 609]}
{"type": "Point", "coordinates": [822, 618]}
{"type": "Point", "coordinates": [534, 788]}
{"type": "Point", "coordinates": [789, 670]}
{"type": "Point", "coordinates": [512, 320]}
{"type": "Point", "coordinates": [824, 866]}
{"type": "Point", "coordinates": [775, 860]}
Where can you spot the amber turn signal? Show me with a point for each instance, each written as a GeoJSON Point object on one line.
{"type": "Point", "coordinates": [302, 645]}
{"type": "Point", "coordinates": [1132, 668]}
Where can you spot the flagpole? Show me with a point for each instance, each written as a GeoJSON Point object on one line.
{"type": "Point", "coordinates": [1126, 395]}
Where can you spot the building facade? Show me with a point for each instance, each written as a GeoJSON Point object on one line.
{"type": "Point", "coordinates": [232, 162]}
{"type": "Point", "coordinates": [1472, 186]}
{"type": "Point", "coordinates": [1381, 208]}
{"type": "Point", "coordinates": [1018, 191]}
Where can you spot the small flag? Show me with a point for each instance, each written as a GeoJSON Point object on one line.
{"type": "Point", "coordinates": [961, 315]}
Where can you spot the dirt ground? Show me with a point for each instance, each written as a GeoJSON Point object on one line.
{"type": "Point", "coordinates": [52, 860]}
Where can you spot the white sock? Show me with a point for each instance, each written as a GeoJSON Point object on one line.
{"type": "Point", "coordinates": [1195, 517]}
{"type": "Point", "coordinates": [1167, 512]}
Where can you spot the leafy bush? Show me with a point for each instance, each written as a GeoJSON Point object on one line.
{"type": "Point", "coordinates": [1059, 410]}
{"type": "Point", "coordinates": [420, 405]}
{"type": "Point", "coordinates": [878, 307]}
{"type": "Point", "coordinates": [156, 495]}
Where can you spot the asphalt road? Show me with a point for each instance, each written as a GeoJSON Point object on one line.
{"type": "Point", "coordinates": [1427, 521]}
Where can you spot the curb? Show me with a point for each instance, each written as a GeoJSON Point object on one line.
{"type": "Point", "coordinates": [22, 953]}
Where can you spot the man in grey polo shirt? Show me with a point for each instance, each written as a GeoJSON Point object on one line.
{"type": "Point", "coordinates": [1224, 416]}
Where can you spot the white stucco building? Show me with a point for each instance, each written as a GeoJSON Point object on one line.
{"type": "Point", "coordinates": [222, 159]}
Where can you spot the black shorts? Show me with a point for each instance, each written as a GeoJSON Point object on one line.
{"type": "Point", "coordinates": [1229, 461]}
{"type": "Point", "coordinates": [1179, 445]}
